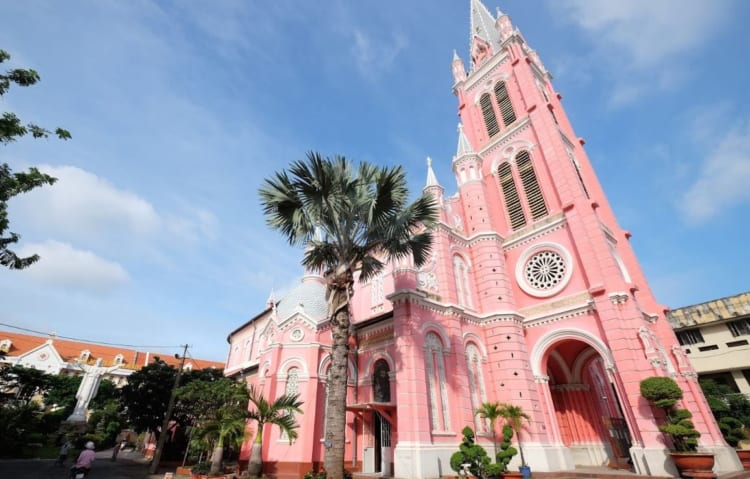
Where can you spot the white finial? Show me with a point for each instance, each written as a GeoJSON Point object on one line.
{"type": "Point", "coordinates": [431, 178]}
{"type": "Point", "coordinates": [464, 147]}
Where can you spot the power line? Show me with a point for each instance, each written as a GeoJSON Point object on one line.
{"type": "Point", "coordinates": [93, 341]}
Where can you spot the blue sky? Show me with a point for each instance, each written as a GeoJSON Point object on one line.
{"type": "Point", "coordinates": [178, 110]}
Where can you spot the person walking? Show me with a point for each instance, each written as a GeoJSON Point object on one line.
{"type": "Point", "coordinates": [64, 451]}
{"type": "Point", "coordinates": [83, 463]}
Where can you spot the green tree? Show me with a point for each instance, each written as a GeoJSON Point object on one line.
{"type": "Point", "coordinates": [144, 399]}
{"type": "Point", "coordinates": [216, 408]}
{"type": "Point", "coordinates": [21, 385]}
{"type": "Point", "coordinates": [61, 395]}
{"type": "Point", "coordinates": [515, 416]}
{"type": "Point", "coordinates": [12, 184]}
{"type": "Point", "coordinates": [280, 413]}
{"type": "Point", "coordinates": [350, 220]}
{"type": "Point", "coordinates": [490, 411]}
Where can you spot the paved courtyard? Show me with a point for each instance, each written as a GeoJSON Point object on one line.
{"type": "Point", "coordinates": [129, 465]}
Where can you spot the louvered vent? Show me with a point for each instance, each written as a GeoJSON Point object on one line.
{"type": "Point", "coordinates": [490, 120]}
{"type": "Point", "coordinates": [506, 107]}
{"type": "Point", "coordinates": [512, 201]}
{"type": "Point", "coordinates": [531, 185]}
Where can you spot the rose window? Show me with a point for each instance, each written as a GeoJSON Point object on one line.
{"type": "Point", "coordinates": [545, 270]}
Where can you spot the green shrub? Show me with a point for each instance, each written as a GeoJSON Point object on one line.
{"type": "Point", "coordinates": [201, 468]}
{"type": "Point", "coordinates": [469, 452]}
{"type": "Point", "coordinates": [664, 392]}
{"type": "Point", "coordinates": [506, 452]}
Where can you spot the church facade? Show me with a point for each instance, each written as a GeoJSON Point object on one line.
{"type": "Point", "coordinates": [533, 296]}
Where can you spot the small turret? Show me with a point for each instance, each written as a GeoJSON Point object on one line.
{"type": "Point", "coordinates": [503, 25]}
{"type": "Point", "coordinates": [464, 147]}
{"type": "Point", "coordinates": [432, 186]}
{"type": "Point", "coordinates": [458, 68]}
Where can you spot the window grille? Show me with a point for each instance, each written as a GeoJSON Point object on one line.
{"type": "Point", "coordinates": [691, 336]}
{"type": "Point", "coordinates": [531, 186]}
{"type": "Point", "coordinates": [490, 120]}
{"type": "Point", "coordinates": [512, 201]}
{"type": "Point", "coordinates": [741, 327]}
{"type": "Point", "coordinates": [503, 101]}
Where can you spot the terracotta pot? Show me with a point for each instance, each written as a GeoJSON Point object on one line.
{"type": "Point", "coordinates": [694, 464]}
{"type": "Point", "coordinates": [744, 455]}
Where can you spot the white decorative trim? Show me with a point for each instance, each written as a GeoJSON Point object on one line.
{"type": "Point", "coordinates": [534, 231]}
{"type": "Point", "coordinates": [619, 298]}
{"type": "Point", "coordinates": [297, 335]}
{"type": "Point", "coordinates": [530, 253]}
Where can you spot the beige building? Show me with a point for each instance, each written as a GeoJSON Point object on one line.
{"type": "Point", "coordinates": [715, 335]}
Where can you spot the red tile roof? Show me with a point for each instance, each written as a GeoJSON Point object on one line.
{"type": "Point", "coordinates": [71, 350]}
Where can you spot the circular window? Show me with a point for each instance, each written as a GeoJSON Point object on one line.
{"type": "Point", "coordinates": [544, 269]}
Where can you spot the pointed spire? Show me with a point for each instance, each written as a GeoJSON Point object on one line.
{"type": "Point", "coordinates": [455, 56]}
{"type": "Point", "coordinates": [482, 24]}
{"type": "Point", "coordinates": [271, 301]}
{"type": "Point", "coordinates": [431, 178]}
{"type": "Point", "coordinates": [464, 147]}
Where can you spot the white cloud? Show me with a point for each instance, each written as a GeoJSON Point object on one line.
{"type": "Point", "coordinates": [645, 42]}
{"type": "Point", "coordinates": [723, 179]}
{"type": "Point", "coordinates": [648, 31]}
{"type": "Point", "coordinates": [376, 55]}
{"type": "Point", "coordinates": [83, 204]}
{"type": "Point", "coordinates": [61, 265]}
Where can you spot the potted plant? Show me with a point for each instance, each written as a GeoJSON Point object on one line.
{"type": "Point", "coordinates": [470, 456]}
{"type": "Point", "coordinates": [506, 453]}
{"type": "Point", "coordinates": [663, 393]}
{"type": "Point", "coordinates": [200, 470]}
{"type": "Point", "coordinates": [515, 416]}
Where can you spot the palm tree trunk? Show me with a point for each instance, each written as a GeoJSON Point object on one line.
{"type": "Point", "coordinates": [255, 466]}
{"type": "Point", "coordinates": [336, 407]}
{"type": "Point", "coordinates": [217, 456]}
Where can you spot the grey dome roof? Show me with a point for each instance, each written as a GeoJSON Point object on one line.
{"type": "Point", "coordinates": [309, 297]}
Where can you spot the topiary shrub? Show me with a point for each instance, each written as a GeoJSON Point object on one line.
{"type": "Point", "coordinates": [732, 430]}
{"type": "Point", "coordinates": [506, 452]}
{"type": "Point", "coordinates": [663, 392]}
{"type": "Point", "coordinates": [469, 452]}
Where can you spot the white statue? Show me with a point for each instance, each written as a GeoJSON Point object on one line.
{"type": "Point", "coordinates": [92, 377]}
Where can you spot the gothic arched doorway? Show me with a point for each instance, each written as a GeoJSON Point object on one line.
{"type": "Point", "coordinates": [586, 407]}
{"type": "Point", "coordinates": [381, 384]}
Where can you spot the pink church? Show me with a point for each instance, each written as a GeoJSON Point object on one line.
{"type": "Point", "coordinates": [533, 296]}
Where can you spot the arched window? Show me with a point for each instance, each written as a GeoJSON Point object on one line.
{"type": "Point", "coordinates": [85, 355]}
{"type": "Point", "coordinates": [119, 359]}
{"type": "Point", "coordinates": [5, 345]}
{"type": "Point", "coordinates": [503, 101]}
{"type": "Point", "coordinates": [476, 384]}
{"type": "Point", "coordinates": [438, 394]}
{"type": "Point", "coordinates": [291, 389]}
{"type": "Point", "coordinates": [381, 381]}
{"type": "Point", "coordinates": [512, 201]}
{"type": "Point", "coordinates": [461, 276]}
{"type": "Point", "coordinates": [490, 120]}
{"type": "Point", "coordinates": [534, 197]}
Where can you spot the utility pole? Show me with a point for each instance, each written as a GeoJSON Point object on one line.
{"type": "Point", "coordinates": [167, 416]}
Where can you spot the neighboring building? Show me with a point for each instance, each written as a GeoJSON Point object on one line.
{"type": "Point", "coordinates": [62, 357]}
{"type": "Point", "coordinates": [532, 296]}
{"type": "Point", "coordinates": [715, 336]}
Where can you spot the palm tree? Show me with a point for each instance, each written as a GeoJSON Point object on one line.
{"type": "Point", "coordinates": [515, 416]}
{"type": "Point", "coordinates": [490, 411]}
{"type": "Point", "coordinates": [350, 220]}
{"type": "Point", "coordinates": [280, 412]}
{"type": "Point", "coordinates": [227, 425]}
